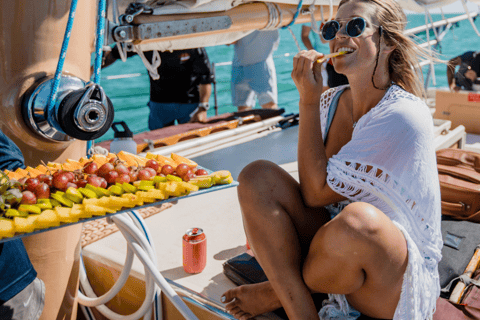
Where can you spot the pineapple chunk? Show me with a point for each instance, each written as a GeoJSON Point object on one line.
{"type": "Point", "coordinates": [7, 228]}
{"type": "Point", "coordinates": [78, 210]}
{"type": "Point", "coordinates": [97, 210]}
{"type": "Point", "coordinates": [47, 219]}
{"type": "Point", "coordinates": [157, 194]}
{"type": "Point", "coordinates": [25, 225]}
{"type": "Point", "coordinates": [64, 214]}
{"type": "Point", "coordinates": [133, 199]}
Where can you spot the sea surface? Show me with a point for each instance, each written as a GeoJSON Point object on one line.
{"type": "Point", "coordinates": [127, 83]}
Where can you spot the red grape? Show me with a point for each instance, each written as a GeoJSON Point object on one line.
{"type": "Point", "coordinates": [94, 180]}
{"type": "Point", "coordinates": [123, 178]}
{"type": "Point", "coordinates": [90, 167]}
{"type": "Point", "coordinates": [182, 169]}
{"type": "Point", "coordinates": [28, 197]}
{"type": "Point", "coordinates": [31, 183]}
{"type": "Point", "coordinates": [71, 184]}
{"type": "Point", "coordinates": [153, 173]}
{"type": "Point", "coordinates": [111, 177]}
{"type": "Point", "coordinates": [121, 169]}
{"type": "Point", "coordinates": [81, 183]}
{"type": "Point", "coordinates": [103, 183]}
{"type": "Point", "coordinates": [144, 175]}
{"type": "Point", "coordinates": [201, 172]}
{"type": "Point", "coordinates": [60, 181]}
{"type": "Point", "coordinates": [133, 175]}
{"type": "Point", "coordinates": [152, 164]}
{"type": "Point", "coordinates": [189, 176]}
{"type": "Point", "coordinates": [42, 191]}
{"type": "Point", "coordinates": [46, 178]}
{"type": "Point", "coordinates": [70, 175]}
{"type": "Point", "coordinates": [167, 169]}
{"type": "Point", "coordinates": [105, 169]}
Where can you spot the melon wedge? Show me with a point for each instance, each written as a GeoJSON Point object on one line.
{"type": "Point", "coordinates": [179, 159]}
{"type": "Point", "coordinates": [162, 160]}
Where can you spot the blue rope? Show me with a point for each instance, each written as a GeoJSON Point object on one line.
{"type": "Point", "coordinates": [300, 3]}
{"type": "Point", "coordinates": [63, 52]}
{"type": "Point", "coordinates": [102, 7]}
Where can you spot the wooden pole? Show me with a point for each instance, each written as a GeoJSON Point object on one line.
{"type": "Point", "coordinates": [457, 293]}
{"type": "Point", "coordinates": [250, 16]}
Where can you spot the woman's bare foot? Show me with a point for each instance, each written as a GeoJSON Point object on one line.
{"type": "Point", "coordinates": [251, 300]}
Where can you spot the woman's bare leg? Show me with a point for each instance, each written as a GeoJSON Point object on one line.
{"type": "Point", "coordinates": [279, 229]}
{"type": "Point", "coordinates": [360, 253]}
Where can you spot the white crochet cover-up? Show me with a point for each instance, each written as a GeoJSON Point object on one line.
{"type": "Point", "coordinates": [390, 163]}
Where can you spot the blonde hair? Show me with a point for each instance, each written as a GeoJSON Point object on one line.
{"type": "Point", "coordinates": [403, 62]}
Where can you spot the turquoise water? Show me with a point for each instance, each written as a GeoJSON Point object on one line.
{"type": "Point", "coordinates": [130, 95]}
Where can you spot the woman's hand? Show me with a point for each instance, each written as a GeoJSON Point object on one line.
{"type": "Point", "coordinates": [307, 76]}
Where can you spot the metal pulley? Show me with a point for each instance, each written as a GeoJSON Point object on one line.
{"type": "Point", "coordinates": [82, 111]}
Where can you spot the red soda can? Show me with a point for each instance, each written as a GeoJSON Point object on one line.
{"type": "Point", "coordinates": [194, 250]}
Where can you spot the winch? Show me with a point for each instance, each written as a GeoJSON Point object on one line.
{"type": "Point", "coordinates": [82, 110]}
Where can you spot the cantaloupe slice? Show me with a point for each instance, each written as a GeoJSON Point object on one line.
{"type": "Point", "coordinates": [179, 159]}
{"type": "Point", "coordinates": [42, 169]}
{"type": "Point", "coordinates": [99, 159]}
{"type": "Point", "coordinates": [33, 172]}
{"type": "Point", "coordinates": [162, 160]}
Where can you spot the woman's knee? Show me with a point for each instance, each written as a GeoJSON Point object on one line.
{"type": "Point", "coordinates": [360, 219]}
{"type": "Point", "coordinates": [254, 170]}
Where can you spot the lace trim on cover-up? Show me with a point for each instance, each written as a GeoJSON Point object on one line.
{"type": "Point", "coordinates": [373, 184]}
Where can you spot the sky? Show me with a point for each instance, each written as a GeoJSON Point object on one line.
{"type": "Point", "coordinates": [455, 7]}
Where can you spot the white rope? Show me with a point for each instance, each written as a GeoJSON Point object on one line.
{"type": "Point", "coordinates": [151, 67]}
{"type": "Point", "coordinates": [98, 302]}
{"type": "Point", "coordinates": [295, 39]}
{"type": "Point", "coordinates": [313, 22]}
{"type": "Point", "coordinates": [464, 3]}
{"type": "Point", "coordinates": [275, 16]}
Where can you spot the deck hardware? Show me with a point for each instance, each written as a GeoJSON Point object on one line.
{"type": "Point", "coordinates": [165, 29]}
{"type": "Point", "coordinates": [446, 113]}
{"type": "Point", "coordinates": [82, 111]}
{"type": "Point", "coordinates": [123, 33]}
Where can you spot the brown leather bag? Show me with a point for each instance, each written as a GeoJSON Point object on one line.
{"type": "Point", "coordinates": [459, 175]}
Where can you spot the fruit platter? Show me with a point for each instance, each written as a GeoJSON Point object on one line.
{"type": "Point", "coordinates": [55, 195]}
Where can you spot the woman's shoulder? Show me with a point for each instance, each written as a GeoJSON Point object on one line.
{"type": "Point", "coordinates": [329, 94]}
{"type": "Point", "coordinates": [400, 102]}
{"type": "Point", "coordinates": [404, 110]}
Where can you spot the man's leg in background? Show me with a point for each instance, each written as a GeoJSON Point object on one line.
{"type": "Point", "coordinates": [265, 83]}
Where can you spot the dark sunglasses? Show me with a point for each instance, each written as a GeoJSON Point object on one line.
{"type": "Point", "coordinates": [354, 28]}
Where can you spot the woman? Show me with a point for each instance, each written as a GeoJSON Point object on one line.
{"type": "Point", "coordinates": [374, 173]}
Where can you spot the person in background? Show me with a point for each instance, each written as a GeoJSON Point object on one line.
{"type": "Point", "coordinates": [253, 71]}
{"type": "Point", "coordinates": [22, 294]}
{"type": "Point", "coordinates": [183, 90]}
{"type": "Point", "coordinates": [466, 78]}
{"type": "Point", "coordinates": [331, 78]}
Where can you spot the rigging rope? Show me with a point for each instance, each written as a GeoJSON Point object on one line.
{"type": "Point", "coordinates": [63, 52]}
{"type": "Point", "coordinates": [464, 3]}
{"type": "Point", "coordinates": [300, 3]}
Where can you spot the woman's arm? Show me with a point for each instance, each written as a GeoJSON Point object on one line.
{"type": "Point", "coordinates": [312, 158]}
